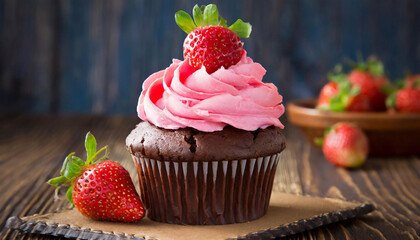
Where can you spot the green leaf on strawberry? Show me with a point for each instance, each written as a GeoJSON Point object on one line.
{"type": "Point", "coordinates": [69, 194]}
{"type": "Point", "coordinates": [371, 65]}
{"type": "Point", "coordinates": [319, 141]}
{"type": "Point", "coordinates": [241, 28]}
{"type": "Point", "coordinates": [184, 21]}
{"type": "Point", "coordinates": [223, 22]}
{"type": "Point", "coordinates": [209, 16]}
{"type": "Point", "coordinates": [198, 16]}
{"type": "Point", "coordinates": [72, 165]}
{"type": "Point", "coordinates": [391, 99]}
{"type": "Point", "coordinates": [375, 67]}
{"type": "Point", "coordinates": [90, 145]}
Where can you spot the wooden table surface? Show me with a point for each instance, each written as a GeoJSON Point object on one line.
{"type": "Point", "coordinates": [32, 149]}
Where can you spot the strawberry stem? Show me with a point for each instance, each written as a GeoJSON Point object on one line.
{"type": "Point", "coordinates": [92, 159]}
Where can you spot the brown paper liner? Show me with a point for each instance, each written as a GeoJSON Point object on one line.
{"type": "Point", "coordinates": [206, 193]}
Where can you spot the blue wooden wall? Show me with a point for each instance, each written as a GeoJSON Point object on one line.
{"type": "Point", "coordinates": [91, 56]}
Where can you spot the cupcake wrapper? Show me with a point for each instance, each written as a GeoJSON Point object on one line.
{"type": "Point", "coordinates": [214, 192]}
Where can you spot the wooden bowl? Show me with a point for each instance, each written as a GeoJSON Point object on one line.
{"type": "Point", "coordinates": [390, 134]}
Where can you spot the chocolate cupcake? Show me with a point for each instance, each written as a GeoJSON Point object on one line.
{"type": "Point", "coordinates": [192, 177]}
{"type": "Point", "coordinates": [208, 147]}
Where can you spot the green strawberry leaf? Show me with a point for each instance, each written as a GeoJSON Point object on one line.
{"type": "Point", "coordinates": [243, 29]}
{"type": "Point", "coordinates": [72, 171]}
{"type": "Point", "coordinates": [360, 64]}
{"type": "Point", "coordinates": [375, 67]}
{"type": "Point", "coordinates": [340, 102]}
{"type": "Point", "coordinates": [390, 100]}
{"type": "Point", "coordinates": [211, 15]}
{"type": "Point", "coordinates": [329, 130]}
{"type": "Point", "coordinates": [198, 16]}
{"type": "Point", "coordinates": [69, 194]}
{"type": "Point", "coordinates": [416, 83]}
{"type": "Point", "coordinates": [337, 75]}
{"type": "Point", "coordinates": [371, 65]}
{"type": "Point", "coordinates": [66, 161]}
{"type": "Point", "coordinates": [90, 145]}
{"type": "Point", "coordinates": [78, 161]}
{"type": "Point", "coordinates": [202, 8]}
{"type": "Point", "coordinates": [222, 22]}
{"type": "Point", "coordinates": [354, 91]}
{"type": "Point", "coordinates": [57, 181]}
{"type": "Point", "coordinates": [400, 84]}
{"type": "Point", "coordinates": [184, 21]}
{"type": "Point", "coordinates": [336, 104]}
{"type": "Point", "coordinates": [319, 141]}
{"type": "Point", "coordinates": [388, 89]}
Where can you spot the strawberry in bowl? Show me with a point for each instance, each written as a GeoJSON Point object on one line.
{"type": "Point", "coordinates": [407, 97]}
{"type": "Point", "coordinates": [362, 90]}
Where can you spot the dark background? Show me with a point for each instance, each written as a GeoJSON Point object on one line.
{"type": "Point", "coordinates": [81, 56]}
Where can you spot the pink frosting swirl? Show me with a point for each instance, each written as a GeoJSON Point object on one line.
{"type": "Point", "coordinates": [182, 96]}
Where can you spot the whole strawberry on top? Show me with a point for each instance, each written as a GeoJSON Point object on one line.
{"type": "Point", "coordinates": [361, 90]}
{"type": "Point", "coordinates": [407, 97]}
{"type": "Point", "coordinates": [210, 42]}
{"type": "Point", "coordinates": [344, 145]}
{"type": "Point", "coordinates": [100, 189]}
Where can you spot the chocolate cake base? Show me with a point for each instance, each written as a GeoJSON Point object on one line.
{"type": "Point", "coordinates": [206, 193]}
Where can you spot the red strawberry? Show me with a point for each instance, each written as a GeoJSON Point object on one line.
{"type": "Point", "coordinates": [329, 91]}
{"type": "Point", "coordinates": [345, 145]}
{"type": "Point", "coordinates": [408, 100]}
{"type": "Point", "coordinates": [213, 47]}
{"type": "Point", "coordinates": [370, 86]}
{"type": "Point", "coordinates": [210, 42]}
{"type": "Point", "coordinates": [100, 189]}
{"type": "Point", "coordinates": [359, 103]}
